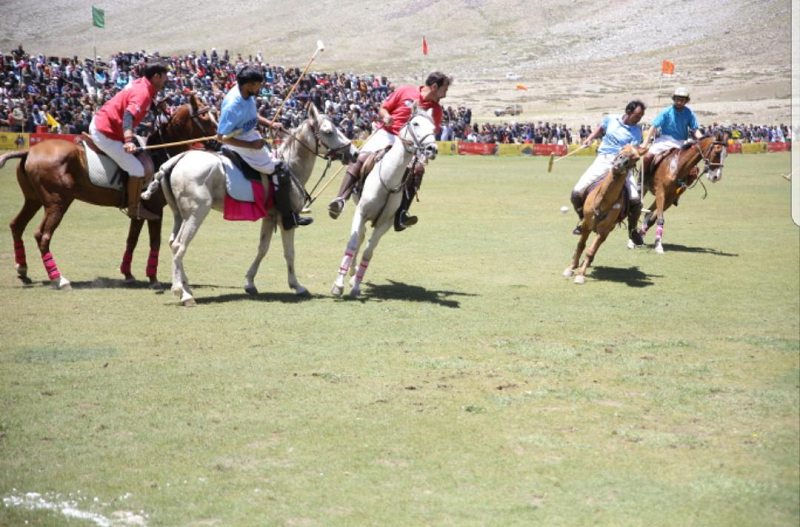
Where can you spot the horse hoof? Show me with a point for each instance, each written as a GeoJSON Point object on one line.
{"type": "Point", "coordinates": [156, 286]}
{"type": "Point", "coordinates": [631, 245]}
{"type": "Point", "coordinates": [337, 290]}
{"type": "Point", "coordinates": [659, 249]}
{"type": "Point", "coordinates": [251, 290]}
{"type": "Point", "coordinates": [189, 302]}
{"type": "Point", "coordinates": [568, 272]}
{"type": "Point", "coordinates": [355, 293]}
{"type": "Point", "coordinates": [302, 291]}
{"type": "Point", "coordinates": [580, 279]}
{"type": "Point", "coordinates": [177, 291]}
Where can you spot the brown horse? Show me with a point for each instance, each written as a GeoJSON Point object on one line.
{"type": "Point", "coordinates": [603, 207]}
{"type": "Point", "coordinates": [53, 173]}
{"type": "Point", "coordinates": [674, 174]}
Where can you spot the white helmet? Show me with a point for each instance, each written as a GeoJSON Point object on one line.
{"type": "Point", "coordinates": [681, 92]}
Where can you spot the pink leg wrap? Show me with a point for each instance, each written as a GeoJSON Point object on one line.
{"type": "Point", "coordinates": [127, 258]}
{"type": "Point", "coordinates": [347, 261]}
{"type": "Point", "coordinates": [644, 229]}
{"type": "Point", "coordinates": [152, 263]}
{"type": "Point", "coordinates": [659, 231]}
{"type": "Point", "coordinates": [51, 267]}
{"type": "Point", "coordinates": [362, 268]}
{"type": "Point", "coordinates": [19, 253]}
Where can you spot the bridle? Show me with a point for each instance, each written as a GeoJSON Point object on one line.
{"type": "Point", "coordinates": [330, 153]}
{"type": "Point", "coordinates": [416, 142]}
{"type": "Point", "coordinates": [705, 155]}
{"type": "Point", "coordinates": [194, 116]}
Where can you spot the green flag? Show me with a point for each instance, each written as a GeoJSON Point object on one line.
{"type": "Point", "coordinates": [98, 17]}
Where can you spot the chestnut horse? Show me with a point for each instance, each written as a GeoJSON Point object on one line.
{"type": "Point", "coordinates": [53, 173]}
{"type": "Point", "coordinates": [673, 176]}
{"type": "Point", "coordinates": [603, 208]}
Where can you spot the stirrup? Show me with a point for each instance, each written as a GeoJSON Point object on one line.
{"type": "Point", "coordinates": [336, 207]}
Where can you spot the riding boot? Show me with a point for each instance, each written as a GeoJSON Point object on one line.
{"type": "Point", "coordinates": [401, 217]}
{"type": "Point", "coordinates": [577, 204]}
{"type": "Point", "coordinates": [136, 209]}
{"type": "Point", "coordinates": [634, 210]}
{"type": "Point", "coordinates": [336, 206]}
{"type": "Point", "coordinates": [290, 219]}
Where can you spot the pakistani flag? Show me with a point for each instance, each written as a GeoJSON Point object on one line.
{"type": "Point", "coordinates": [98, 17]}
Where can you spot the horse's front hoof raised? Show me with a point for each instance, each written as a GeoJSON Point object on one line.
{"type": "Point", "coordinates": [568, 272]}
{"type": "Point", "coordinates": [580, 279]}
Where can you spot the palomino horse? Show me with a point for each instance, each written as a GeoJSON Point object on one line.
{"type": "Point", "coordinates": [53, 173]}
{"type": "Point", "coordinates": [380, 197]}
{"type": "Point", "coordinates": [672, 177]}
{"type": "Point", "coordinates": [603, 210]}
{"type": "Point", "coordinates": [194, 184]}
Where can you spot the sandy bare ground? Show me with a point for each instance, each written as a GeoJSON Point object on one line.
{"type": "Point", "coordinates": [577, 59]}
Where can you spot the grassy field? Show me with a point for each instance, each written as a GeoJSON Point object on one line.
{"type": "Point", "coordinates": [472, 385]}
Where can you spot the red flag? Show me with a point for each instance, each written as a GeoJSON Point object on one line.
{"type": "Point", "coordinates": [424, 46]}
{"type": "Point", "coordinates": [667, 67]}
{"type": "Point", "coordinates": [522, 87]}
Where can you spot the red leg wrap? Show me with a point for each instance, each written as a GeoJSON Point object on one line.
{"type": "Point", "coordinates": [152, 264]}
{"type": "Point", "coordinates": [51, 267]}
{"type": "Point", "coordinates": [127, 258]}
{"type": "Point", "coordinates": [19, 253]}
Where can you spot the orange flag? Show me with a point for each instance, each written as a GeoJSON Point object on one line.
{"type": "Point", "coordinates": [424, 46]}
{"type": "Point", "coordinates": [521, 87]}
{"type": "Point", "coordinates": [667, 67]}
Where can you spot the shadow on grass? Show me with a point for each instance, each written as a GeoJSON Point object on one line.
{"type": "Point", "coordinates": [102, 282]}
{"type": "Point", "coordinates": [632, 276]}
{"type": "Point", "coordinates": [285, 298]}
{"type": "Point", "coordinates": [412, 293]}
{"type": "Point", "coordinates": [702, 250]}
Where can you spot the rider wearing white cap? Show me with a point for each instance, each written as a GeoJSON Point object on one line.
{"type": "Point", "coordinates": [675, 122]}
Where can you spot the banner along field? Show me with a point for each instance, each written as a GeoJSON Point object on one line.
{"type": "Point", "coordinates": [472, 384]}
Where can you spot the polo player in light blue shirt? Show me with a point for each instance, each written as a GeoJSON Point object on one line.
{"type": "Point", "coordinates": [675, 123]}
{"type": "Point", "coordinates": [617, 131]}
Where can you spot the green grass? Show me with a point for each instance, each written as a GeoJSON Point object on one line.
{"type": "Point", "coordinates": [473, 384]}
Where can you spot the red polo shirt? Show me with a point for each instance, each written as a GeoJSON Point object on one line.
{"type": "Point", "coordinates": [135, 99]}
{"type": "Point", "coordinates": [399, 104]}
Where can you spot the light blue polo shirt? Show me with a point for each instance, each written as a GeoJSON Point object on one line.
{"type": "Point", "coordinates": [237, 113]}
{"type": "Point", "coordinates": [676, 124]}
{"type": "Point", "coordinates": [618, 134]}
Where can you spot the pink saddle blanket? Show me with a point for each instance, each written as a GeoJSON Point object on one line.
{"type": "Point", "coordinates": [249, 210]}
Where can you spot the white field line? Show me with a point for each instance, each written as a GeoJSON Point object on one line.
{"type": "Point", "coordinates": [69, 508]}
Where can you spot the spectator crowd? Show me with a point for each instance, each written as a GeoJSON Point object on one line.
{"type": "Point", "coordinates": [62, 94]}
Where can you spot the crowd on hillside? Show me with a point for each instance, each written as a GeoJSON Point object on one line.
{"type": "Point", "coordinates": [62, 95]}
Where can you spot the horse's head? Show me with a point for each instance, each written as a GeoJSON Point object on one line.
{"type": "Point", "coordinates": [627, 158]}
{"type": "Point", "coordinates": [329, 137]}
{"type": "Point", "coordinates": [420, 133]}
{"type": "Point", "coordinates": [714, 153]}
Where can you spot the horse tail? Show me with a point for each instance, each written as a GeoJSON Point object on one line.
{"type": "Point", "coordinates": [12, 155]}
{"type": "Point", "coordinates": [163, 172]}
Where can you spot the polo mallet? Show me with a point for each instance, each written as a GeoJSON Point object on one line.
{"type": "Point", "coordinates": [320, 47]}
{"type": "Point", "coordinates": [187, 141]}
{"type": "Point", "coordinates": [553, 160]}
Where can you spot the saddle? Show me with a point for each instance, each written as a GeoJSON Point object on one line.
{"type": "Point", "coordinates": [651, 168]}
{"type": "Point", "coordinates": [106, 173]}
{"type": "Point", "coordinates": [250, 173]}
{"type": "Point", "coordinates": [367, 166]}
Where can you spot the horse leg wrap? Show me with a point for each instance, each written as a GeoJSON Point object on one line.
{"type": "Point", "coordinates": [19, 254]}
{"type": "Point", "coordinates": [152, 264]}
{"type": "Point", "coordinates": [659, 231]}
{"type": "Point", "coordinates": [645, 227]}
{"type": "Point", "coordinates": [51, 267]}
{"type": "Point", "coordinates": [347, 261]}
{"type": "Point", "coordinates": [127, 259]}
{"type": "Point", "coordinates": [362, 268]}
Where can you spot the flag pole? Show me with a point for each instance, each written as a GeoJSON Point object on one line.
{"type": "Point", "coordinates": [660, 77]}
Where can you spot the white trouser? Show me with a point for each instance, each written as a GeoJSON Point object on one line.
{"type": "Point", "coordinates": [259, 158]}
{"type": "Point", "coordinates": [380, 140]}
{"type": "Point", "coordinates": [598, 169]}
{"type": "Point", "coordinates": [114, 150]}
{"type": "Point", "coordinates": [664, 143]}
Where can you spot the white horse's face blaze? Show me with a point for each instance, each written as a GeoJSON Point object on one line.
{"type": "Point", "coordinates": [718, 155]}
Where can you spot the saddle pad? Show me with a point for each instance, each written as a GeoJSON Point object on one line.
{"type": "Point", "coordinates": [236, 185]}
{"type": "Point", "coordinates": [103, 171]}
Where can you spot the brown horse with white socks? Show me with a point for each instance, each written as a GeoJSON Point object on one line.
{"type": "Point", "coordinates": [53, 173]}
{"type": "Point", "coordinates": [674, 174]}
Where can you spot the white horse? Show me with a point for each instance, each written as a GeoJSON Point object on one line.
{"type": "Point", "coordinates": [380, 197]}
{"type": "Point", "coordinates": [197, 185]}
